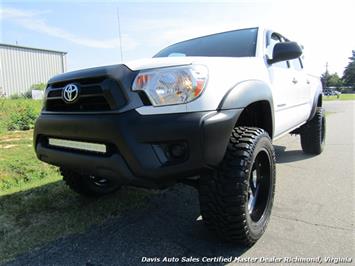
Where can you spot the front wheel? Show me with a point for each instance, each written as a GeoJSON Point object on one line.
{"type": "Point", "coordinates": [236, 198]}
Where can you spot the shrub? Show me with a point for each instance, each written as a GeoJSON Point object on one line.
{"type": "Point", "coordinates": [16, 96]}
{"type": "Point", "coordinates": [2, 103]}
{"type": "Point", "coordinates": [39, 86]}
{"type": "Point", "coordinates": [27, 94]}
{"type": "Point", "coordinates": [347, 90]}
{"type": "Point", "coordinates": [22, 117]}
{"type": "Point", "coordinates": [24, 95]}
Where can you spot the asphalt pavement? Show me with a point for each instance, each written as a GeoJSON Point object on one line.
{"type": "Point", "coordinates": [312, 218]}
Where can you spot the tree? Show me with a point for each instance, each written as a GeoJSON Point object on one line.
{"type": "Point", "coordinates": [325, 79]}
{"type": "Point", "coordinates": [335, 81]}
{"type": "Point", "coordinates": [349, 73]}
{"type": "Point", "coordinates": [331, 80]}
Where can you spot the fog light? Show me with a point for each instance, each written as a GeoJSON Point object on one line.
{"type": "Point", "coordinates": [177, 151]}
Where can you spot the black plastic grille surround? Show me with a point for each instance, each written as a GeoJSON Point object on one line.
{"type": "Point", "coordinates": [95, 95]}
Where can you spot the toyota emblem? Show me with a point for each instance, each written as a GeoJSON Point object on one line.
{"type": "Point", "coordinates": [70, 93]}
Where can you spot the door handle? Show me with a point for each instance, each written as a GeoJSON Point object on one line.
{"type": "Point", "coordinates": [294, 81]}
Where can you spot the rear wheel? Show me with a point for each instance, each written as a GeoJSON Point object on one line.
{"type": "Point", "coordinates": [313, 133]}
{"type": "Point", "coordinates": [236, 198]}
{"type": "Point", "coordinates": [88, 185]}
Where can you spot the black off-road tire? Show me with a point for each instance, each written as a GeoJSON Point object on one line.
{"type": "Point", "coordinates": [313, 133]}
{"type": "Point", "coordinates": [225, 191]}
{"type": "Point", "coordinates": [86, 185]}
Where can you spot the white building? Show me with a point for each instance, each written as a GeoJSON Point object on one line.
{"type": "Point", "coordinates": [21, 67]}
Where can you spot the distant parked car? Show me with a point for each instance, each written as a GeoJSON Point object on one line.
{"type": "Point", "coordinates": [331, 92]}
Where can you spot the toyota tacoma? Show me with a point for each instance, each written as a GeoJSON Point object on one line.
{"type": "Point", "coordinates": [203, 111]}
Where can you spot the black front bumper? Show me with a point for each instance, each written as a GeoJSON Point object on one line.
{"type": "Point", "coordinates": [138, 144]}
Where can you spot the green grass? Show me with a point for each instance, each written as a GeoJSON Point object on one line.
{"type": "Point", "coordinates": [18, 163]}
{"type": "Point", "coordinates": [36, 207]}
{"type": "Point", "coordinates": [342, 97]}
{"type": "Point", "coordinates": [36, 216]}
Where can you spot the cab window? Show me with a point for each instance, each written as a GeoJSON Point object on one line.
{"type": "Point", "coordinates": [296, 64]}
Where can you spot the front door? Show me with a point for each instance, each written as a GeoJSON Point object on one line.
{"type": "Point", "coordinates": [281, 79]}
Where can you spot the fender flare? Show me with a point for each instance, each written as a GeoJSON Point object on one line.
{"type": "Point", "coordinates": [317, 96]}
{"type": "Point", "coordinates": [247, 92]}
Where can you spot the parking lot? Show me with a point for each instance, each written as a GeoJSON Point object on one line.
{"type": "Point", "coordinates": [313, 214]}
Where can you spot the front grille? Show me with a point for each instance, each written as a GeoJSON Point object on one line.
{"type": "Point", "coordinates": [96, 103]}
{"type": "Point", "coordinates": [94, 95]}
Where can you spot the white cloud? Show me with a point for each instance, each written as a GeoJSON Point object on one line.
{"type": "Point", "coordinates": [176, 30]}
{"type": "Point", "coordinates": [322, 27]}
{"type": "Point", "coordinates": [29, 19]}
{"type": "Point", "coordinates": [11, 13]}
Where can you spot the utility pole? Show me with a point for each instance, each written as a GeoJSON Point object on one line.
{"type": "Point", "coordinates": [119, 32]}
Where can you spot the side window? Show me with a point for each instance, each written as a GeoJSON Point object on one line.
{"type": "Point", "coordinates": [296, 64]}
{"type": "Point", "coordinates": [274, 40]}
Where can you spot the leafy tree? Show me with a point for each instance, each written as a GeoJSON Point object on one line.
{"type": "Point", "coordinates": [349, 73]}
{"type": "Point", "coordinates": [331, 80]}
{"type": "Point", "coordinates": [335, 81]}
{"type": "Point", "coordinates": [325, 79]}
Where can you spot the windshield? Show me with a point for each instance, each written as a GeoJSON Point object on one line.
{"type": "Point", "coordinates": [237, 43]}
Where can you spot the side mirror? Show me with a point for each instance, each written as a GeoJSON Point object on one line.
{"type": "Point", "coordinates": [285, 51]}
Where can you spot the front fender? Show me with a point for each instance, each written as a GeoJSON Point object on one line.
{"type": "Point", "coordinates": [246, 93]}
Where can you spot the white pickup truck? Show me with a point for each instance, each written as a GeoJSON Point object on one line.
{"type": "Point", "coordinates": [203, 111]}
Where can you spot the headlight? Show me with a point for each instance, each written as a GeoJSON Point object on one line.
{"type": "Point", "coordinates": [172, 85]}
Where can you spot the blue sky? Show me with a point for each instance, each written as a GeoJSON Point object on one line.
{"type": "Point", "coordinates": [88, 30]}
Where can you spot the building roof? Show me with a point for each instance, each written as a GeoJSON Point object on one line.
{"type": "Point", "coordinates": [30, 48]}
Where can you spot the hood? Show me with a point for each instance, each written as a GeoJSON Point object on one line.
{"type": "Point", "coordinates": [148, 63]}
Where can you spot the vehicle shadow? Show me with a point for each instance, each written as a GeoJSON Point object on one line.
{"type": "Point", "coordinates": [288, 156]}
{"type": "Point", "coordinates": [168, 226]}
